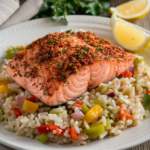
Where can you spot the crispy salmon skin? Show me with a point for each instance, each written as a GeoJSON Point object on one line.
{"type": "Point", "coordinates": [61, 66]}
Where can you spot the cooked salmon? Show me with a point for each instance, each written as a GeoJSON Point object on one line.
{"type": "Point", "coordinates": [61, 66]}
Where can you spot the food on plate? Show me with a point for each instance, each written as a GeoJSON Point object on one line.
{"type": "Point", "coordinates": [133, 10]}
{"type": "Point", "coordinates": [105, 110]}
{"type": "Point", "coordinates": [129, 36]}
{"type": "Point", "coordinates": [60, 67]}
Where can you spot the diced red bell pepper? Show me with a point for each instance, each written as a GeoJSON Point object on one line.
{"type": "Point", "coordinates": [148, 92]}
{"type": "Point", "coordinates": [32, 99]}
{"type": "Point", "coordinates": [127, 74]}
{"type": "Point", "coordinates": [124, 113]}
{"type": "Point", "coordinates": [43, 129]}
{"type": "Point", "coordinates": [73, 133]}
{"type": "Point", "coordinates": [48, 128]}
{"type": "Point", "coordinates": [17, 112]}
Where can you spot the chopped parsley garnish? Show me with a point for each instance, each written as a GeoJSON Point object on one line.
{"type": "Point", "coordinates": [59, 65]}
{"type": "Point", "coordinates": [75, 71]}
{"type": "Point", "coordinates": [92, 55]}
{"type": "Point", "coordinates": [63, 51]}
{"type": "Point", "coordinates": [82, 55]}
{"type": "Point", "coordinates": [66, 81]}
{"type": "Point", "coordinates": [27, 48]}
{"type": "Point", "coordinates": [114, 57]}
{"type": "Point", "coordinates": [138, 78]}
{"type": "Point", "coordinates": [63, 76]}
{"type": "Point", "coordinates": [97, 48]}
{"type": "Point", "coordinates": [146, 101]}
{"type": "Point", "coordinates": [94, 34]}
{"type": "Point", "coordinates": [144, 87]}
{"type": "Point", "coordinates": [115, 120]}
{"type": "Point", "coordinates": [101, 40]}
{"type": "Point", "coordinates": [68, 31]}
{"type": "Point", "coordinates": [27, 65]}
{"type": "Point", "coordinates": [42, 84]}
{"type": "Point", "coordinates": [72, 33]}
{"type": "Point", "coordinates": [84, 35]}
{"type": "Point", "coordinates": [86, 49]}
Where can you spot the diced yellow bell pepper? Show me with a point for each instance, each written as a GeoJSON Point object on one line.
{"type": "Point", "coordinates": [93, 113]}
{"type": "Point", "coordinates": [4, 89]}
{"type": "Point", "coordinates": [30, 106]}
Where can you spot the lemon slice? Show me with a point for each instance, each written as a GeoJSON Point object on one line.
{"type": "Point", "coordinates": [128, 35]}
{"type": "Point", "coordinates": [133, 10]}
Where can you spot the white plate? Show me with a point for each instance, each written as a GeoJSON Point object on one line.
{"type": "Point", "coordinates": [31, 30]}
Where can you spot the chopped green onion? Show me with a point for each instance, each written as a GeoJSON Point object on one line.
{"type": "Point", "coordinates": [42, 138]}
{"type": "Point", "coordinates": [63, 51]}
{"type": "Point", "coordinates": [101, 87]}
{"type": "Point", "coordinates": [108, 124]}
{"type": "Point", "coordinates": [59, 65]}
{"type": "Point", "coordinates": [63, 76]}
{"type": "Point", "coordinates": [54, 112]}
{"type": "Point", "coordinates": [138, 78]}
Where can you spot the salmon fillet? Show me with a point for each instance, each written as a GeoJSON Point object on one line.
{"type": "Point", "coordinates": [61, 66]}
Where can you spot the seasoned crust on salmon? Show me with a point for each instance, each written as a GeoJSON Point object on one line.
{"type": "Point", "coordinates": [60, 67]}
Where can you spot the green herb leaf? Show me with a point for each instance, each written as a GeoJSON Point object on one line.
{"type": "Point", "coordinates": [92, 55]}
{"type": "Point", "coordinates": [63, 76]}
{"type": "Point", "coordinates": [26, 47]}
{"type": "Point", "coordinates": [42, 84]}
{"type": "Point", "coordinates": [86, 49]}
{"type": "Point", "coordinates": [63, 51]}
{"type": "Point", "coordinates": [101, 40]}
{"type": "Point", "coordinates": [138, 78]}
{"type": "Point", "coordinates": [73, 33]}
{"type": "Point", "coordinates": [59, 65]}
{"type": "Point", "coordinates": [146, 101]}
{"type": "Point", "coordinates": [144, 87]}
{"type": "Point", "coordinates": [97, 48]}
{"type": "Point", "coordinates": [68, 31]}
{"type": "Point", "coordinates": [66, 81]}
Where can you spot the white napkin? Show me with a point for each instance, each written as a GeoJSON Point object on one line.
{"type": "Point", "coordinates": [7, 8]}
{"type": "Point", "coordinates": [27, 10]}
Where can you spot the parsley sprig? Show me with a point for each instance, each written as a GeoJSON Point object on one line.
{"type": "Point", "coordinates": [146, 101]}
{"type": "Point", "coordinates": [57, 8]}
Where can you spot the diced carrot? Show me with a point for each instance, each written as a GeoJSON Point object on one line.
{"type": "Point", "coordinates": [124, 113]}
{"type": "Point", "coordinates": [73, 133]}
{"type": "Point", "coordinates": [127, 74]}
{"type": "Point", "coordinates": [78, 102]}
{"type": "Point", "coordinates": [77, 105]}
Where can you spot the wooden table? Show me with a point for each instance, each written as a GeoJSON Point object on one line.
{"type": "Point", "coordinates": [144, 22]}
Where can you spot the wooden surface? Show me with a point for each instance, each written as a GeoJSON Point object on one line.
{"type": "Point", "coordinates": [144, 22]}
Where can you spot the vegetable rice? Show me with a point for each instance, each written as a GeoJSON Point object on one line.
{"type": "Point", "coordinates": [68, 123]}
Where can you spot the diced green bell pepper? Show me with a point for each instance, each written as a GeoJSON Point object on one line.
{"type": "Point", "coordinates": [42, 138]}
{"type": "Point", "coordinates": [138, 61]}
{"type": "Point", "coordinates": [53, 111]}
{"type": "Point", "coordinates": [94, 130]}
{"type": "Point", "coordinates": [108, 124]}
{"type": "Point", "coordinates": [85, 109]}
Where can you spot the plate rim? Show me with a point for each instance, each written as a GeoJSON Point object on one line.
{"type": "Point", "coordinates": [71, 18]}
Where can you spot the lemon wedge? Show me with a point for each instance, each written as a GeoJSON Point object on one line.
{"type": "Point", "coordinates": [129, 36]}
{"type": "Point", "coordinates": [133, 10]}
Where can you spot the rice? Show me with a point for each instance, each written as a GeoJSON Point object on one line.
{"type": "Point", "coordinates": [126, 92]}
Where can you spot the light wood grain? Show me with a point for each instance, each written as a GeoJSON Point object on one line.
{"type": "Point", "coordinates": [144, 22]}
